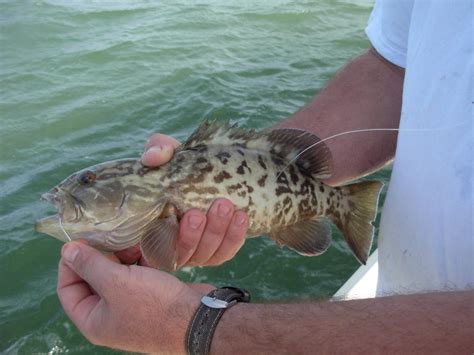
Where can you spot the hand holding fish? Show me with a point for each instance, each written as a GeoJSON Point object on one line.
{"type": "Point", "coordinates": [102, 304]}
{"type": "Point", "coordinates": [202, 240]}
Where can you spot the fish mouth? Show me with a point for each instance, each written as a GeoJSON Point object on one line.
{"type": "Point", "coordinates": [52, 226]}
{"type": "Point", "coordinates": [63, 201]}
{"type": "Point", "coordinates": [69, 207]}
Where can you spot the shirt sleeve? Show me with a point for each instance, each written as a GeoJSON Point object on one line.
{"type": "Point", "coordinates": [388, 29]}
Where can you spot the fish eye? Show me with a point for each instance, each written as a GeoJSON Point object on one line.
{"type": "Point", "coordinates": [87, 178]}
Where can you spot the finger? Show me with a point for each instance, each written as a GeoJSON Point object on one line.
{"type": "Point", "coordinates": [218, 219]}
{"type": "Point", "coordinates": [159, 149]}
{"type": "Point", "coordinates": [161, 139]}
{"type": "Point", "coordinates": [191, 229]}
{"type": "Point", "coordinates": [233, 240]}
{"type": "Point", "coordinates": [75, 295]}
{"type": "Point", "coordinates": [157, 155]}
{"type": "Point", "coordinates": [129, 256]}
{"type": "Point", "coordinates": [143, 262]}
{"type": "Point", "coordinates": [90, 265]}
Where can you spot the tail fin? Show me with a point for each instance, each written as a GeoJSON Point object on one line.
{"type": "Point", "coordinates": [356, 224]}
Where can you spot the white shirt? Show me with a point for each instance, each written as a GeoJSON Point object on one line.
{"type": "Point", "coordinates": [426, 233]}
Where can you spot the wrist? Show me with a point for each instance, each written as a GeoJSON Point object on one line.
{"type": "Point", "coordinates": [231, 328]}
{"type": "Point", "coordinates": [213, 306]}
{"type": "Point", "coordinates": [178, 316]}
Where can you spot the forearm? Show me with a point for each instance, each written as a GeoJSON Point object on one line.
{"type": "Point", "coordinates": [427, 323]}
{"type": "Point", "coordinates": [366, 93]}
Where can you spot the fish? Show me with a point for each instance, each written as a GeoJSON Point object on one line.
{"type": "Point", "coordinates": [269, 174]}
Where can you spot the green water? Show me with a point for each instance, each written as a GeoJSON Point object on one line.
{"type": "Point", "coordinates": [85, 82]}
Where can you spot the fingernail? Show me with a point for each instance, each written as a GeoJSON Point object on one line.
{"type": "Point", "coordinates": [70, 252]}
{"type": "Point", "coordinates": [223, 210]}
{"type": "Point", "coordinates": [239, 220]}
{"type": "Point", "coordinates": [155, 148]}
{"type": "Point", "coordinates": [195, 221]}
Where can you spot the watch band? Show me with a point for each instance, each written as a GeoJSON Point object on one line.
{"type": "Point", "coordinates": [206, 318]}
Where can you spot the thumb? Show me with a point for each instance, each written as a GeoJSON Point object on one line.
{"type": "Point", "coordinates": [159, 149]}
{"type": "Point", "coordinates": [91, 265]}
{"type": "Point", "coordinates": [157, 155]}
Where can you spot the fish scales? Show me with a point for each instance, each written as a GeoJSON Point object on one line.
{"type": "Point", "coordinates": [271, 175]}
{"type": "Point", "coordinates": [251, 180]}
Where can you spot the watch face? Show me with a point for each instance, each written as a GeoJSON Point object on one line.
{"type": "Point", "coordinates": [225, 297]}
{"type": "Point", "coordinates": [213, 302]}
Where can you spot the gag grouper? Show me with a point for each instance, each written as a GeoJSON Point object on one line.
{"type": "Point", "coordinates": [271, 175]}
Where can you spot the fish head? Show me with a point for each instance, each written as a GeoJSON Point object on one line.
{"type": "Point", "coordinates": [96, 202]}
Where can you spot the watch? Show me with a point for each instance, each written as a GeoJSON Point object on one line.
{"type": "Point", "coordinates": [205, 320]}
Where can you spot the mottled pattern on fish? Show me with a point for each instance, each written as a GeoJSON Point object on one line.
{"type": "Point", "coordinates": [253, 181]}
{"type": "Point", "coordinates": [272, 175]}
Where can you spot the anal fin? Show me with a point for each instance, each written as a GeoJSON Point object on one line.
{"type": "Point", "coordinates": [158, 243]}
{"type": "Point", "coordinates": [309, 237]}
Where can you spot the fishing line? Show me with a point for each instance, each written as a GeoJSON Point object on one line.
{"type": "Point", "coordinates": [62, 227]}
{"type": "Point", "coordinates": [369, 130]}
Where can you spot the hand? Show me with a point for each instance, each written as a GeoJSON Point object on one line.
{"type": "Point", "coordinates": [203, 240]}
{"type": "Point", "coordinates": [133, 308]}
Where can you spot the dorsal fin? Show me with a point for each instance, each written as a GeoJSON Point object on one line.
{"type": "Point", "coordinates": [288, 144]}
{"type": "Point", "coordinates": [219, 133]}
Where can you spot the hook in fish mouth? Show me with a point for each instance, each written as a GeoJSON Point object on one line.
{"type": "Point", "coordinates": [53, 225]}
{"type": "Point", "coordinates": [69, 207]}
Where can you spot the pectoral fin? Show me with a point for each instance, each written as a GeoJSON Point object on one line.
{"type": "Point", "coordinates": [308, 238]}
{"type": "Point", "coordinates": [158, 243]}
